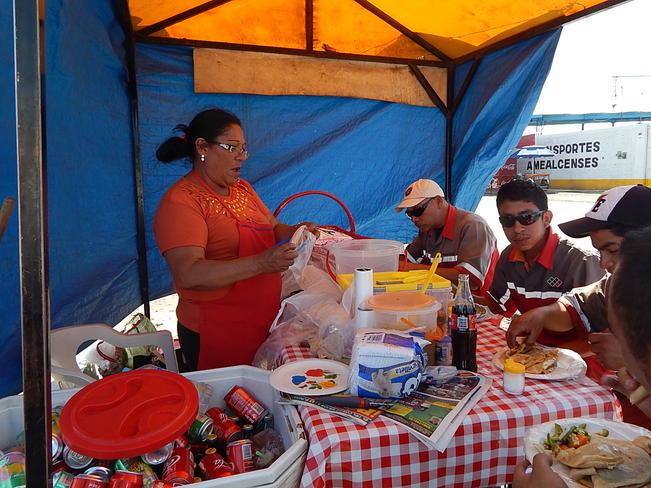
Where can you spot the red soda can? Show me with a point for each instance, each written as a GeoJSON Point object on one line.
{"type": "Point", "coordinates": [88, 481]}
{"type": "Point", "coordinates": [213, 466]}
{"type": "Point", "coordinates": [126, 479]}
{"type": "Point", "coordinates": [224, 428]}
{"type": "Point", "coordinates": [179, 468]}
{"type": "Point", "coordinates": [163, 484]}
{"type": "Point", "coordinates": [245, 405]}
{"type": "Point", "coordinates": [181, 441]}
{"type": "Point", "coordinates": [240, 454]}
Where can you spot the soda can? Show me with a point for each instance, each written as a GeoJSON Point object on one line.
{"type": "Point", "coordinates": [200, 428]}
{"type": "Point", "coordinates": [179, 468]}
{"type": "Point", "coordinates": [213, 466]}
{"type": "Point", "coordinates": [268, 421]}
{"type": "Point", "coordinates": [163, 484]}
{"type": "Point", "coordinates": [181, 441]}
{"type": "Point", "coordinates": [245, 404]}
{"type": "Point", "coordinates": [76, 460]}
{"type": "Point", "coordinates": [56, 414]}
{"type": "Point", "coordinates": [57, 446]}
{"type": "Point", "coordinates": [88, 481]}
{"type": "Point", "coordinates": [198, 449]}
{"type": "Point", "coordinates": [126, 479]}
{"type": "Point", "coordinates": [12, 469]}
{"type": "Point", "coordinates": [101, 471]}
{"type": "Point", "coordinates": [224, 427]}
{"type": "Point", "coordinates": [213, 439]}
{"type": "Point", "coordinates": [159, 456]}
{"type": "Point", "coordinates": [240, 454]}
{"type": "Point", "coordinates": [236, 419]}
{"type": "Point", "coordinates": [247, 431]}
{"type": "Point", "coordinates": [137, 465]}
{"type": "Point", "coordinates": [62, 479]}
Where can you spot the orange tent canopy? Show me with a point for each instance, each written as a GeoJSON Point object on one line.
{"type": "Point", "coordinates": [418, 31]}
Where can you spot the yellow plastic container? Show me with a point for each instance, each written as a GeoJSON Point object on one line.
{"type": "Point", "coordinates": [383, 281]}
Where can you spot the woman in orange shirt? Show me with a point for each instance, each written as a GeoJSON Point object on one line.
{"type": "Point", "coordinates": [220, 243]}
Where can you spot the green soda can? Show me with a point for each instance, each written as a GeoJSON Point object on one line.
{"type": "Point", "coordinates": [12, 469]}
{"type": "Point", "coordinates": [62, 479]}
{"type": "Point", "coordinates": [200, 428]}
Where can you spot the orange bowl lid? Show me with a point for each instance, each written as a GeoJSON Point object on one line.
{"type": "Point", "coordinates": [401, 300]}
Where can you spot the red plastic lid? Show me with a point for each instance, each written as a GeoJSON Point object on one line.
{"type": "Point", "coordinates": [128, 414]}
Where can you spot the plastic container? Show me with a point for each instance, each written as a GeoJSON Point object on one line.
{"type": "Point", "coordinates": [391, 307]}
{"type": "Point", "coordinates": [377, 254]}
{"type": "Point", "coordinates": [513, 382]}
{"type": "Point", "coordinates": [439, 287]}
{"type": "Point", "coordinates": [286, 471]}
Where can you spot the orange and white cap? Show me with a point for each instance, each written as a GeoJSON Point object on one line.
{"type": "Point", "coordinates": [418, 191]}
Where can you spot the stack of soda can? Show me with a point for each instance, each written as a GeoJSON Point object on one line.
{"type": "Point", "coordinates": [217, 444]}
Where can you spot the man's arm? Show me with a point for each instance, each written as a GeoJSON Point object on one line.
{"type": "Point", "coordinates": [530, 324]}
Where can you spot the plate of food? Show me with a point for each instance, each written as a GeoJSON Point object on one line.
{"type": "Point", "coordinates": [311, 377]}
{"type": "Point", "coordinates": [543, 362]}
{"type": "Point", "coordinates": [594, 452]}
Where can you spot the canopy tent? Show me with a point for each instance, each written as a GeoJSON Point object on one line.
{"type": "Point", "coordinates": [101, 130]}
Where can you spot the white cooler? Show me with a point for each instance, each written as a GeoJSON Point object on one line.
{"type": "Point", "coordinates": [286, 471]}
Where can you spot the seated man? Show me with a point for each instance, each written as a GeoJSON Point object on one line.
{"type": "Point", "coordinates": [538, 266]}
{"type": "Point", "coordinates": [629, 316]}
{"type": "Point", "coordinates": [466, 243]}
{"type": "Point", "coordinates": [615, 212]}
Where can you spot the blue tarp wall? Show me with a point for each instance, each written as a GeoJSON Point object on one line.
{"type": "Point", "coordinates": [363, 151]}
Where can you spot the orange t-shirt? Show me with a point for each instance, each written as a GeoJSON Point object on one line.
{"type": "Point", "coordinates": [190, 215]}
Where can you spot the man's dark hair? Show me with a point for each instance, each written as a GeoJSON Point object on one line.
{"type": "Point", "coordinates": [522, 189]}
{"type": "Point", "coordinates": [630, 293]}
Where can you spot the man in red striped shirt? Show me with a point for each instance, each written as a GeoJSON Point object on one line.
{"type": "Point", "coordinates": [538, 266]}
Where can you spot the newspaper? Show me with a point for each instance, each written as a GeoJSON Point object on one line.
{"type": "Point", "coordinates": [360, 416]}
{"type": "Point", "coordinates": [433, 413]}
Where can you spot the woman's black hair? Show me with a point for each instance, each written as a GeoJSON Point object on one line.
{"type": "Point", "coordinates": [208, 125]}
{"type": "Point", "coordinates": [522, 189]}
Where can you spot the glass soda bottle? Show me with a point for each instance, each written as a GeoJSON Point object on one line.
{"type": "Point", "coordinates": [464, 331]}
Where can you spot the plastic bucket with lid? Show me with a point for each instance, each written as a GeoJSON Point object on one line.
{"type": "Point", "coordinates": [391, 307]}
{"type": "Point", "coordinates": [376, 254]}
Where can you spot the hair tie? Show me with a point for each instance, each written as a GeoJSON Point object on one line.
{"type": "Point", "coordinates": [182, 137]}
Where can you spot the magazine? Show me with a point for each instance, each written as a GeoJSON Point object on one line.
{"type": "Point", "coordinates": [361, 416]}
{"type": "Point", "coordinates": [433, 413]}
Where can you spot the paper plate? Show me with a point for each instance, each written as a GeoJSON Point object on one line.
{"type": "Point", "coordinates": [534, 437]}
{"type": "Point", "coordinates": [569, 365]}
{"type": "Point", "coordinates": [311, 377]}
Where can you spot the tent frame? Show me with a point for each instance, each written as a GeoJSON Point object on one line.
{"type": "Point", "coordinates": [30, 105]}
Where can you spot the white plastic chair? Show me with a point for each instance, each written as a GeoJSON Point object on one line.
{"type": "Point", "coordinates": [65, 341]}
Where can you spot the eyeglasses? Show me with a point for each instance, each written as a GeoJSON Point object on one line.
{"type": "Point", "coordinates": [417, 211]}
{"type": "Point", "coordinates": [233, 149]}
{"type": "Point", "coordinates": [526, 218]}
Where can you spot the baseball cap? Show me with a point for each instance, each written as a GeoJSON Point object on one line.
{"type": "Point", "coordinates": [418, 191]}
{"type": "Point", "coordinates": [628, 205]}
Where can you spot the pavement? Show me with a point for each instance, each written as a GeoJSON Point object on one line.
{"type": "Point", "coordinates": [565, 205]}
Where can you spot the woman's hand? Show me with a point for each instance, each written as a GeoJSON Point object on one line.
{"type": "Point", "coordinates": [540, 475]}
{"type": "Point", "coordinates": [277, 259]}
{"type": "Point", "coordinates": [311, 226]}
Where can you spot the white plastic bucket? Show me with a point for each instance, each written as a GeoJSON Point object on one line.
{"type": "Point", "coordinates": [376, 254]}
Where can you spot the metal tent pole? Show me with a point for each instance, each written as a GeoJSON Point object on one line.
{"type": "Point", "coordinates": [33, 242]}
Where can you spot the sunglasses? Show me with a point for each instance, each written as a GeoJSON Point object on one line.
{"type": "Point", "coordinates": [417, 211]}
{"type": "Point", "coordinates": [526, 218]}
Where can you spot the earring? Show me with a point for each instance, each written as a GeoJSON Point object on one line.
{"type": "Point", "coordinates": [203, 158]}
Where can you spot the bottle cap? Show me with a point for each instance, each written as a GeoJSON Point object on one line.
{"type": "Point", "coordinates": [510, 366]}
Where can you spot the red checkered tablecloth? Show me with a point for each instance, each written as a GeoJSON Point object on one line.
{"type": "Point", "coordinates": [483, 452]}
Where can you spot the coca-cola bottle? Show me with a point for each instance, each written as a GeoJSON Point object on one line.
{"type": "Point", "coordinates": [464, 332]}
